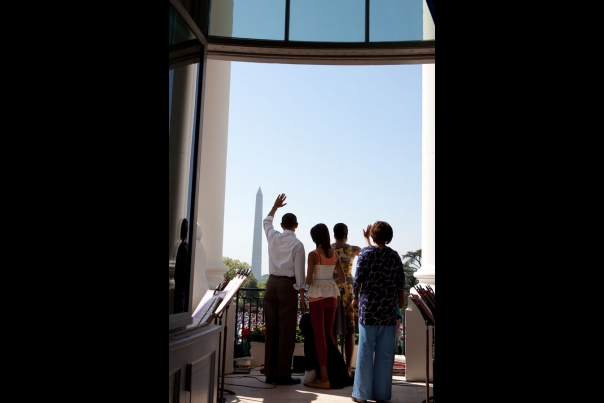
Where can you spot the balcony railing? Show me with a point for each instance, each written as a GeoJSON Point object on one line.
{"type": "Point", "coordinates": [249, 305]}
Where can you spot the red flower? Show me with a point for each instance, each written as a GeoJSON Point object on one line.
{"type": "Point", "coordinates": [245, 333]}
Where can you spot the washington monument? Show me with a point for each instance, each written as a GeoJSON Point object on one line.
{"type": "Point", "coordinates": [257, 249]}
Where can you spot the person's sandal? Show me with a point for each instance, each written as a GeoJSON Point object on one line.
{"type": "Point", "coordinates": [354, 399]}
{"type": "Point", "coordinates": [318, 384]}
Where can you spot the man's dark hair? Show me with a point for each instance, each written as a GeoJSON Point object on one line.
{"type": "Point", "coordinates": [289, 220]}
{"type": "Point", "coordinates": [381, 232]}
{"type": "Point", "coordinates": [340, 230]}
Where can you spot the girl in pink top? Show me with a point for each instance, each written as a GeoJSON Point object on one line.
{"type": "Point", "coordinates": [323, 295]}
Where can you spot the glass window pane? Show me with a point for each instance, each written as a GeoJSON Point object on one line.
{"type": "Point", "coordinates": [396, 20]}
{"type": "Point", "coordinates": [249, 19]}
{"type": "Point", "coordinates": [177, 29]}
{"type": "Point", "coordinates": [183, 83]}
{"type": "Point", "coordinates": [327, 20]}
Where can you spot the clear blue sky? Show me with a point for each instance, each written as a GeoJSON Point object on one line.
{"type": "Point", "coordinates": [342, 142]}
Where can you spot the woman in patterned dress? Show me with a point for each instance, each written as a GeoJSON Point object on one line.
{"type": "Point", "coordinates": [347, 319]}
{"type": "Point", "coordinates": [378, 284]}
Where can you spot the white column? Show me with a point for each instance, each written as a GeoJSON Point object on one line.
{"type": "Point", "coordinates": [426, 273]}
{"type": "Point", "coordinates": [210, 206]}
{"type": "Point", "coordinates": [415, 345]}
{"type": "Point", "coordinates": [415, 326]}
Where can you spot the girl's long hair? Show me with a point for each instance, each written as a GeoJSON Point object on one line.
{"type": "Point", "coordinates": [320, 236]}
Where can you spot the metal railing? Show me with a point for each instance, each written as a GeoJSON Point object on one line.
{"type": "Point", "coordinates": [249, 308]}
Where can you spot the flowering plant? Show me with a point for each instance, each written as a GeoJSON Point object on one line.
{"type": "Point", "coordinates": [299, 335]}
{"type": "Point", "coordinates": [245, 333]}
{"type": "Point", "coordinates": [258, 334]}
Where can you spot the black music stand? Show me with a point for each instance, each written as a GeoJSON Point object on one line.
{"type": "Point", "coordinates": [222, 354]}
{"type": "Point", "coordinates": [429, 321]}
{"type": "Point", "coordinates": [231, 289]}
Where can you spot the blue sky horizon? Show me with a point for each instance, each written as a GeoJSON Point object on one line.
{"type": "Point", "coordinates": [342, 142]}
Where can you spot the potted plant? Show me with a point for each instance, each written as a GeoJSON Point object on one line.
{"type": "Point", "coordinates": [299, 348]}
{"type": "Point", "coordinates": [245, 335]}
{"type": "Point", "coordinates": [256, 341]}
{"type": "Point", "coordinates": [299, 335]}
{"type": "Point", "coordinates": [258, 334]}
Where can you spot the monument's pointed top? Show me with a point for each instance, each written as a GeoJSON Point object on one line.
{"type": "Point", "coordinates": [259, 190]}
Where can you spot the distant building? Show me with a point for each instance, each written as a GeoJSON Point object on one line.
{"type": "Point", "coordinates": [257, 249]}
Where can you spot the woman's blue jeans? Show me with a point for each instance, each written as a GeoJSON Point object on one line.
{"type": "Point", "coordinates": [375, 357]}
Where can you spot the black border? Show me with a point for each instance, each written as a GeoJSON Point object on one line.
{"type": "Point", "coordinates": [113, 97]}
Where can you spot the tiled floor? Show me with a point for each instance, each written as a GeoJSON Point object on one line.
{"type": "Point", "coordinates": [250, 388]}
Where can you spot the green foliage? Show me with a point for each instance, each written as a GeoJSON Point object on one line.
{"type": "Point", "coordinates": [340, 341]}
{"type": "Point", "coordinates": [264, 278]}
{"type": "Point", "coordinates": [251, 282]}
{"type": "Point", "coordinates": [299, 335]}
{"type": "Point", "coordinates": [235, 265]}
{"type": "Point", "coordinates": [413, 259]}
{"type": "Point", "coordinates": [412, 262]}
{"type": "Point", "coordinates": [258, 335]}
